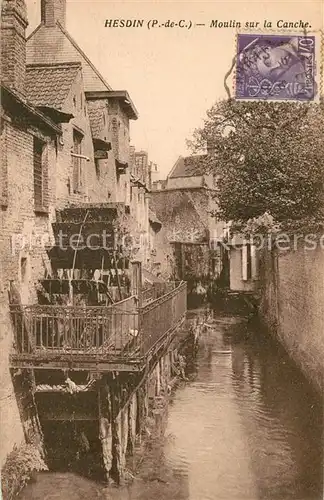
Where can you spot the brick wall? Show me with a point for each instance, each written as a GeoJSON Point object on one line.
{"type": "Point", "coordinates": [13, 45]}
{"type": "Point", "coordinates": [20, 238]}
{"type": "Point", "coordinates": [292, 305]}
{"type": "Point", "coordinates": [22, 227]}
{"type": "Point", "coordinates": [52, 11]}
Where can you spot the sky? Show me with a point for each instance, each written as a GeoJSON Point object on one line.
{"type": "Point", "coordinates": [173, 75]}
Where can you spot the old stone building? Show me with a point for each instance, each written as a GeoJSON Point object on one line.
{"type": "Point", "coordinates": [139, 197]}
{"type": "Point", "coordinates": [101, 115]}
{"type": "Point", "coordinates": [76, 233]}
{"type": "Point", "coordinates": [29, 139]}
{"type": "Point", "coordinates": [190, 234]}
{"type": "Point", "coordinates": [190, 172]}
{"type": "Point", "coordinates": [64, 145]}
{"type": "Point", "coordinates": [143, 171]}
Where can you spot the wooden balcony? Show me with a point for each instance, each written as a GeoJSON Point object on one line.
{"type": "Point", "coordinates": [121, 337]}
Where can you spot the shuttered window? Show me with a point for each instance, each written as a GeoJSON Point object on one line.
{"type": "Point", "coordinates": [38, 173]}
{"type": "Point", "coordinates": [77, 165]}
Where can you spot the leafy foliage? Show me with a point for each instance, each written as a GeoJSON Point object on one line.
{"type": "Point", "coordinates": [19, 466]}
{"type": "Point", "coordinates": [268, 158]}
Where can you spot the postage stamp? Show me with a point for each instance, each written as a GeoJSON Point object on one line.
{"type": "Point", "coordinates": [276, 67]}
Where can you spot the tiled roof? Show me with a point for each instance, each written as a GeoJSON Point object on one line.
{"type": "Point", "coordinates": [58, 46]}
{"type": "Point", "coordinates": [189, 166]}
{"type": "Point", "coordinates": [49, 85]}
{"type": "Point", "coordinates": [96, 120]}
{"type": "Point", "coordinates": [14, 103]}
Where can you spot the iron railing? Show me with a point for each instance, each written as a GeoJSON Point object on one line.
{"type": "Point", "coordinates": [71, 330]}
{"type": "Point", "coordinates": [162, 316]}
{"type": "Point", "coordinates": [157, 290]}
{"type": "Point", "coordinates": [122, 331]}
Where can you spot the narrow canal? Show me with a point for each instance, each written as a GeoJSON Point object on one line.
{"type": "Point", "coordinates": [247, 425]}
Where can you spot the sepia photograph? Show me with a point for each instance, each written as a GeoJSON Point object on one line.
{"type": "Point", "coordinates": [162, 250]}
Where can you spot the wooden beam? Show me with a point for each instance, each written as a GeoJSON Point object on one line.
{"type": "Point", "coordinates": [102, 367]}
{"type": "Point", "coordinates": [64, 418]}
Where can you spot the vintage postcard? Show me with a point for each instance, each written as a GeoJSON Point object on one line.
{"type": "Point", "coordinates": [162, 250]}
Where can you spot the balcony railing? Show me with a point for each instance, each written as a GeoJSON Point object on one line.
{"type": "Point", "coordinates": [162, 316]}
{"type": "Point", "coordinates": [47, 336]}
{"type": "Point", "coordinates": [157, 290]}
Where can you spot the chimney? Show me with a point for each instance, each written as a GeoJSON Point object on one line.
{"type": "Point", "coordinates": [53, 11]}
{"type": "Point", "coordinates": [13, 44]}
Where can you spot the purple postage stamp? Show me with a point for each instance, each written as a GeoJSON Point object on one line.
{"type": "Point", "coordinates": [276, 67]}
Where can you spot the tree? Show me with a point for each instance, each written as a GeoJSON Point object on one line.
{"type": "Point", "coordinates": [268, 158]}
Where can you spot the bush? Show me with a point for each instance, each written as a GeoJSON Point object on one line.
{"type": "Point", "coordinates": [21, 463]}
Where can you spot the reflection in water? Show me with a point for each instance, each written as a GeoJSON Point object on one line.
{"type": "Point", "coordinates": [248, 426]}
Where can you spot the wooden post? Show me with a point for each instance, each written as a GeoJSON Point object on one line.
{"type": "Point", "coordinates": [132, 417]}
{"type": "Point", "coordinates": [158, 379]}
{"type": "Point", "coordinates": [136, 281]}
{"type": "Point", "coordinates": [182, 268]}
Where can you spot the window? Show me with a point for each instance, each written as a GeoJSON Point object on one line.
{"type": "Point", "coordinates": [40, 177]}
{"type": "Point", "coordinates": [77, 166]}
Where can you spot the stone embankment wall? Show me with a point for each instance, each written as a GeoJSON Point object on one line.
{"type": "Point", "coordinates": [292, 305]}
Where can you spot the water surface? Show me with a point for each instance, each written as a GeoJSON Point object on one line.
{"type": "Point", "coordinates": [246, 426]}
